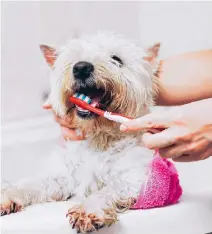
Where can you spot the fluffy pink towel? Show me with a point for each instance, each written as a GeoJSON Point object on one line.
{"type": "Point", "coordinates": [162, 187]}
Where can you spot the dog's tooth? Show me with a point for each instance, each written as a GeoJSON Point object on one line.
{"type": "Point", "coordinates": [94, 104]}
{"type": "Point", "coordinates": [81, 109]}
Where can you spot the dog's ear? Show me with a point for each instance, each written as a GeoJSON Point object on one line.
{"type": "Point", "coordinates": [50, 54]}
{"type": "Point", "coordinates": [152, 53]}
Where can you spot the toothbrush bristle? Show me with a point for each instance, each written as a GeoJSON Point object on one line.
{"type": "Point", "coordinates": [83, 97]}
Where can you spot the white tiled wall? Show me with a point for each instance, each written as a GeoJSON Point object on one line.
{"type": "Point", "coordinates": [180, 26]}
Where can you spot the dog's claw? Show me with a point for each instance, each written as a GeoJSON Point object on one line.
{"type": "Point", "coordinates": [10, 207]}
{"type": "Point", "coordinates": [74, 223]}
{"type": "Point", "coordinates": [83, 222]}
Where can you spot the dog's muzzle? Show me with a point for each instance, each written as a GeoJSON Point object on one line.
{"type": "Point", "coordinates": [85, 84]}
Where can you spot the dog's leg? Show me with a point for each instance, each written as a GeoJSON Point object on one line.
{"type": "Point", "coordinates": [26, 192]}
{"type": "Point", "coordinates": [56, 182]}
{"type": "Point", "coordinates": [96, 211]}
{"type": "Point", "coordinates": [99, 209]}
{"type": "Point", "coordinates": [120, 193]}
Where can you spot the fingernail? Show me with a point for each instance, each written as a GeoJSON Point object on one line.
{"type": "Point", "coordinates": [66, 139]}
{"type": "Point", "coordinates": [46, 105]}
{"type": "Point", "coordinates": [123, 128]}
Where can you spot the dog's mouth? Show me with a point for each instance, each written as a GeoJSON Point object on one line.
{"type": "Point", "coordinates": [96, 97]}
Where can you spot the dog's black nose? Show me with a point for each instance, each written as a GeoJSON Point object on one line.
{"type": "Point", "coordinates": [82, 70]}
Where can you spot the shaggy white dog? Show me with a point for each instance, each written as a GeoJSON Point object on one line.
{"type": "Point", "coordinates": [107, 170]}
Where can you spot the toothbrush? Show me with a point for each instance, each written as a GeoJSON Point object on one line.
{"type": "Point", "coordinates": [83, 101]}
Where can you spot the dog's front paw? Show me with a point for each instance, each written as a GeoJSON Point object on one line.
{"type": "Point", "coordinates": [10, 203]}
{"type": "Point", "coordinates": [9, 206]}
{"type": "Point", "coordinates": [88, 222]}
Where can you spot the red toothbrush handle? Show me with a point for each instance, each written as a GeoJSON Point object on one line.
{"type": "Point", "coordinates": [86, 106]}
{"type": "Point", "coordinates": [100, 112]}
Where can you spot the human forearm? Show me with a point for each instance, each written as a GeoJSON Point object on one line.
{"type": "Point", "coordinates": [185, 78]}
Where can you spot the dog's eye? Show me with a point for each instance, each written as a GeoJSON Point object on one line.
{"type": "Point", "coordinates": [117, 59]}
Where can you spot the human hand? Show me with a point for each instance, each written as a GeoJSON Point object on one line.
{"type": "Point", "coordinates": [187, 136]}
{"type": "Point", "coordinates": [68, 132]}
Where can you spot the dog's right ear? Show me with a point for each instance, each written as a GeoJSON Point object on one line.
{"type": "Point", "coordinates": [50, 54]}
{"type": "Point", "coordinates": [153, 52]}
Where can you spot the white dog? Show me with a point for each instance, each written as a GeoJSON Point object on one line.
{"type": "Point", "coordinates": [107, 170]}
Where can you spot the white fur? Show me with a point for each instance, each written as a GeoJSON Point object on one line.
{"type": "Point", "coordinates": [136, 73]}
{"type": "Point", "coordinates": [75, 170]}
{"type": "Point", "coordinates": [97, 177]}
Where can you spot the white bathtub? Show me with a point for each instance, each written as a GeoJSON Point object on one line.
{"type": "Point", "coordinates": [26, 143]}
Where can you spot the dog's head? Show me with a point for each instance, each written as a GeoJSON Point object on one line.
{"type": "Point", "coordinates": [116, 74]}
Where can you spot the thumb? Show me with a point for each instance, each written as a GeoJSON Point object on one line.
{"type": "Point", "coordinates": [149, 121]}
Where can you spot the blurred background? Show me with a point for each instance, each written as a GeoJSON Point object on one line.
{"type": "Point", "coordinates": [29, 131]}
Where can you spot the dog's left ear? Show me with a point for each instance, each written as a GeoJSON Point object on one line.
{"type": "Point", "coordinates": [50, 54]}
{"type": "Point", "coordinates": [152, 53]}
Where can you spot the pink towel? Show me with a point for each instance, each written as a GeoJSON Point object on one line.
{"type": "Point", "coordinates": [162, 187]}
